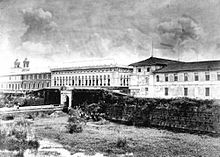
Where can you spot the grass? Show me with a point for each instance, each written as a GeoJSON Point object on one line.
{"type": "Point", "coordinates": [113, 139]}
{"type": "Point", "coordinates": [17, 136]}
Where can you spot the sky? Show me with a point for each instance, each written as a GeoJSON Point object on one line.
{"type": "Point", "coordinates": [55, 32]}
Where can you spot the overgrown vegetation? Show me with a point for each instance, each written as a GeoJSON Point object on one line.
{"type": "Point", "coordinates": [75, 121]}
{"type": "Point", "coordinates": [17, 136]}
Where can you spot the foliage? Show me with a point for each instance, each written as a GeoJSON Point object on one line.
{"type": "Point", "coordinates": [17, 136]}
{"type": "Point", "coordinates": [121, 142]}
{"type": "Point", "coordinates": [75, 121]}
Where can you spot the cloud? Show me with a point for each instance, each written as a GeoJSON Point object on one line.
{"type": "Point", "coordinates": [175, 32]}
{"type": "Point", "coordinates": [85, 29]}
{"type": "Point", "coordinates": [40, 25]}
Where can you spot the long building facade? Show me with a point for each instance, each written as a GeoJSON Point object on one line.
{"type": "Point", "coordinates": [151, 78]}
{"type": "Point", "coordinates": [102, 76]}
{"type": "Point", "coordinates": [22, 79]}
{"type": "Point", "coordinates": [162, 78]}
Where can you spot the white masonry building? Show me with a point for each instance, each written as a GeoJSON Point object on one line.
{"type": "Point", "coordinates": [162, 78]}
{"type": "Point", "coordinates": [100, 76]}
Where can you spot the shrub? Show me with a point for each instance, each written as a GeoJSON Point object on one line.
{"type": "Point", "coordinates": [121, 142]}
{"type": "Point", "coordinates": [74, 122]}
{"type": "Point", "coordinates": [33, 144]}
{"type": "Point", "coordinates": [8, 117]}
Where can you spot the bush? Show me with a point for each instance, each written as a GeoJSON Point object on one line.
{"type": "Point", "coordinates": [8, 117]}
{"type": "Point", "coordinates": [74, 121]}
{"type": "Point", "coordinates": [121, 142]}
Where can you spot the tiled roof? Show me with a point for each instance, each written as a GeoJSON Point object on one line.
{"type": "Point", "coordinates": [153, 61]}
{"type": "Point", "coordinates": [191, 66]}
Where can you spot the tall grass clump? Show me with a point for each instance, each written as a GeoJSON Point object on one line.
{"type": "Point", "coordinates": [17, 136]}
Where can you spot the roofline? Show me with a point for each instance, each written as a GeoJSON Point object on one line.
{"type": "Point", "coordinates": [155, 64]}
{"type": "Point", "coordinates": [89, 67]}
{"type": "Point", "coordinates": [147, 64]}
{"type": "Point", "coordinates": [189, 70]}
{"type": "Point", "coordinates": [24, 73]}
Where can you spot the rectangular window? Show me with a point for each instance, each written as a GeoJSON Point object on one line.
{"type": "Point", "coordinates": [196, 76]}
{"type": "Point", "coordinates": [207, 91]}
{"type": "Point", "coordinates": [147, 80]}
{"type": "Point", "coordinates": [139, 70]}
{"type": "Point", "coordinates": [158, 78]}
{"type": "Point", "coordinates": [148, 69]}
{"type": "Point", "coordinates": [175, 77]}
{"type": "Point", "coordinates": [166, 91]}
{"type": "Point", "coordinates": [166, 77]}
{"type": "Point", "coordinates": [218, 76]}
{"type": "Point", "coordinates": [185, 76]}
{"type": "Point", "coordinates": [185, 91]}
{"type": "Point", "coordinates": [146, 89]}
{"type": "Point", "coordinates": [207, 76]}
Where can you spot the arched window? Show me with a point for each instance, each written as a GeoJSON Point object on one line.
{"type": "Point", "coordinates": [61, 81]}
{"type": "Point", "coordinates": [73, 81]}
{"type": "Point", "coordinates": [121, 80]}
{"type": "Point", "coordinates": [97, 80]}
{"type": "Point", "coordinates": [109, 80]}
{"type": "Point", "coordinates": [100, 80]}
{"type": "Point", "coordinates": [76, 80]}
{"type": "Point", "coordinates": [90, 82]}
{"type": "Point", "coordinates": [67, 81]}
{"type": "Point", "coordinates": [124, 80]}
{"type": "Point", "coordinates": [82, 80]}
{"type": "Point", "coordinates": [70, 81]}
{"type": "Point", "coordinates": [93, 80]}
{"type": "Point", "coordinates": [55, 81]}
{"type": "Point", "coordinates": [79, 79]}
{"type": "Point", "coordinates": [104, 80]}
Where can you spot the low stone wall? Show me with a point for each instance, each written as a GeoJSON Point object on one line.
{"type": "Point", "coordinates": [192, 121]}
{"type": "Point", "coordinates": [177, 113]}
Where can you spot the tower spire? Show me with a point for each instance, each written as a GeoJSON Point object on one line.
{"type": "Point", "coordinates": [152, 48]}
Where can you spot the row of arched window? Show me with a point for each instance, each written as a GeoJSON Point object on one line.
{"type": "Point", "coordinates": [91, 80]}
